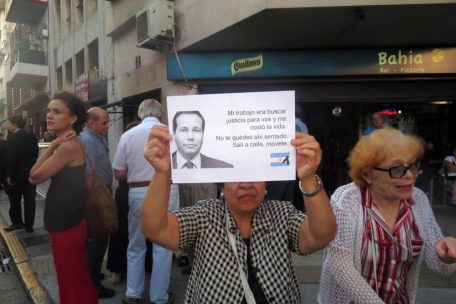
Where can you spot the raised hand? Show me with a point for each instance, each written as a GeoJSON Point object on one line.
{"type": "Point", "coordinates": [156, 151]}
{"type": "Point", "coordinates": [308, 155]}
{"type": "Point", "coordinates": [64, 137]}
{"type": "Point", "coordinates": [446, 250]}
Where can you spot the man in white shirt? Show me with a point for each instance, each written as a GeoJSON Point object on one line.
{"type": "Point", "coordinates": [188, 128]}
{"type": "Point", "coordinates": [129, 163]}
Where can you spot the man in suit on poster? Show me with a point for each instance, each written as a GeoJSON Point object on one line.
{"type": "Point", "coordinates": [188, 127]}
{"type": "Point", "coordinates": [22, 152]}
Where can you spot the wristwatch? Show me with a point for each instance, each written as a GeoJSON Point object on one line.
{"type": "Point", "coordinates": [316, 191]}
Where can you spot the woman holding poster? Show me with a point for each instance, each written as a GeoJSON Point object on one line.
{"type": "Point", "coordinates": [243, 242]}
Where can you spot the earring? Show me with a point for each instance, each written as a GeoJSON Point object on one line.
{"type": "Point", "coordinates": [265, 192]}
{"type": "Point", "coordinates": [221, 195]}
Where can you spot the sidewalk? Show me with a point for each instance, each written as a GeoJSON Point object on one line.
{"type": "Point", "coordinates": [38, 274]}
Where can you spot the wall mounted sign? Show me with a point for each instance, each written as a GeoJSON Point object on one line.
{"type": "Point", "coordinates": [389, 112]}
{"type": "Point", "coordinates": [81, 87]}
{"type": "Point", "coordinates": [314, 63]}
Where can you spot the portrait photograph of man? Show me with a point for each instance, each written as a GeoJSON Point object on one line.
{"type": "Point", "coordinates": [188, 128]}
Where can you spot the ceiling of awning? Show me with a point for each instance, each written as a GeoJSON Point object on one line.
{"type": "Point", "coordinates": [337, 27]}
{"type": "Point", "coordinates": [24, 11]}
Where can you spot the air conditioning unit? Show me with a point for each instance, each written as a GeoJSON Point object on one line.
{"type": "Point", "coordinates": [155, 25]}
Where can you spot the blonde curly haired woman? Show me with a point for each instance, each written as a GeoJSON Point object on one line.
{"type": "Point", "coordinates": [385, 226]}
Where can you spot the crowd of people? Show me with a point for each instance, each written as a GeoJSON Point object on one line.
{"type": "Point", "coordinates": [377, 230]}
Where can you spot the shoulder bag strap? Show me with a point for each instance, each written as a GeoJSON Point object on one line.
{"type": "Point", "coordinates": [90, 164]}
{"type": "Point", "coordinates": [245, 284]}
{"type": "Point", "coordinates": [85, 155]}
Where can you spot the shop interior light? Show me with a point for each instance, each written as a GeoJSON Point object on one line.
{"type": "Point", "coordinates": [441, 102]}
{"type": "Point", "coordinates": [389, 111]}
{"type": "Point", "coordinates": [337, 111]}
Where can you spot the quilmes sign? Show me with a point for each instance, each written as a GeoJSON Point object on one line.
{"type": "Point", "coordinates": [314, 63]}
{"type": "Point", "coordinates": [245, 65]}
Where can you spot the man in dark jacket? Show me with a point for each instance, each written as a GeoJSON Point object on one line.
{"type": "Point", "coordinates": [22, 152]}
{"type": "Point", "coordinates": [3, 184]}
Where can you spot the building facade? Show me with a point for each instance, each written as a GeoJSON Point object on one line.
{"type": "Point", "coordinates": [344, 59]}
{"type": "Point", "coordinates": [27, 70]}
{"type": "Point", "coordinates": [6, 29]}
{"type": "Point", "coordinates": [79, 45]}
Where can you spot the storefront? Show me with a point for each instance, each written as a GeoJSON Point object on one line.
{"type": "Point", "coordinates": [127, 109]}
{"type": "Point", "coordinates": [336, 90]}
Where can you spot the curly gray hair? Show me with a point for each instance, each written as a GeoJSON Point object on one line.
{"type": "Point", "coordinates": [150, 108]}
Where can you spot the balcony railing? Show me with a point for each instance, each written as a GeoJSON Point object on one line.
{"type": "Point", "coordinates": [98, 86]}
{"type": "Point", "coordinates": [28, 56]}
{"type": "Point", "coordinates": [27, 44]}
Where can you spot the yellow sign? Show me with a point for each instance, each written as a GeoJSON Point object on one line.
{"type": "Point", "coordinates": [437, 55]}
{"type": "Point", "coordinates": [399, 58]}
{"type": "Point", "coordinates": [411, 61]}
{"type": "Point", "coordinates": [247, 65]}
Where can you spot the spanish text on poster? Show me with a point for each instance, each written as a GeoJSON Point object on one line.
{"type": "Point", "coordinates": [232, 137]}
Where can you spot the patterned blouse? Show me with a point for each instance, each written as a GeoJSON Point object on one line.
{"type": "Point", "coordinates": [386, 256]}
{"type": "Point", "coordinates": [215, 273]}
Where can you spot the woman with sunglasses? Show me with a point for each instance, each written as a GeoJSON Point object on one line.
{"type": "Point", "coordinates": [386, 227]}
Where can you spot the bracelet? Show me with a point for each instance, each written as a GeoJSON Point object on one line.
{"type": "Point", "coordinates": [316, 191]}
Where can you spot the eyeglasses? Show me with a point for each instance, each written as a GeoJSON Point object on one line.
{"type": "Point", "coordinates": [400, 171]}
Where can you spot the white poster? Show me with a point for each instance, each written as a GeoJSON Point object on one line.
{"type": "Point", "coordinates": [232, 137]}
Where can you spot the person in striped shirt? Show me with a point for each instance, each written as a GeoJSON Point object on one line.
{"type": "Point", "coordinates": [386, 227]}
